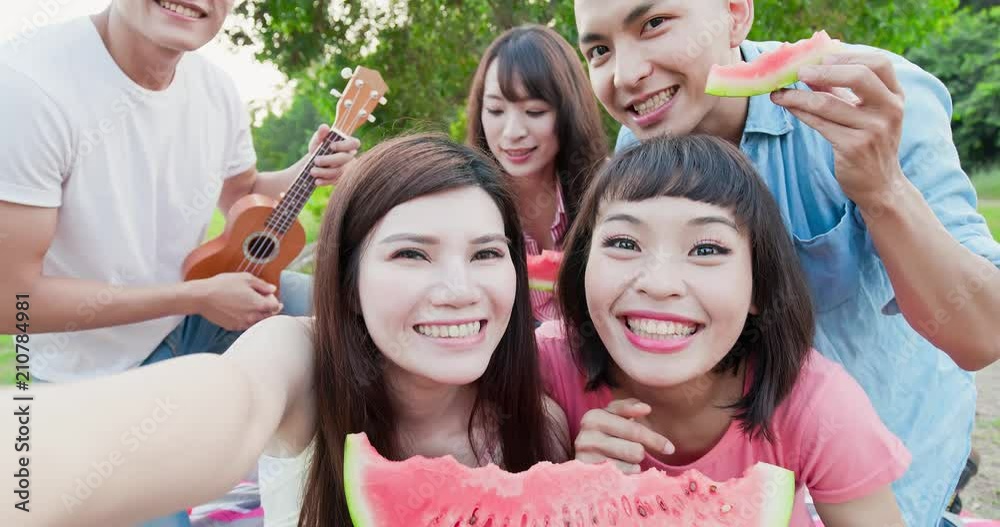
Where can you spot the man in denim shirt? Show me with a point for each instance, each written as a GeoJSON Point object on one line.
{"type": "Point", "coordinates": [902, 268]}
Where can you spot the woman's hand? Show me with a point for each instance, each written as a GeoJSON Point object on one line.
{"type": "Point", "coordinates": [611, 433]}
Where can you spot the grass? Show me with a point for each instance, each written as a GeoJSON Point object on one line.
{"type": "Point", "coordinates": [992, 215]}
{"type": "Point", "coordinates": [6, 359]}
{"type": "Point", "coordinates": [987, 182]}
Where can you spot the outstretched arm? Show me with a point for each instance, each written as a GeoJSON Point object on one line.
{"type": "Point", "coordinates": [141, 444]}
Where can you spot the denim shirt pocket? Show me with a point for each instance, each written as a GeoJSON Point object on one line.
{"type": "Point", "coordinates": [831, 261]}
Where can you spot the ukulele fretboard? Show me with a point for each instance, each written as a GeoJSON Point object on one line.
{"type": "Point", "coordinates": [288, 209]}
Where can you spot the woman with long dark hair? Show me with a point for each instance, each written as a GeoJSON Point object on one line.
{"type": "Point", "coordinates": [531, 108]}
{"type": "Point", "coordinates": [421, 324]}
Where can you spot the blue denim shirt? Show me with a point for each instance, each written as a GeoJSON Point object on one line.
{"type": "Point", "coordinates": [919, 392]}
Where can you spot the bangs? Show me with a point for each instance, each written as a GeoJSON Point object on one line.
{"type": "Point", "coordinates": [689, 169]}
{"type": "Point", "coordinates": [524, 73]}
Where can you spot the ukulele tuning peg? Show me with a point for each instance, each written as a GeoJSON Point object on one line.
{"type": "Point", "coordinates": [346, 73]}
{"type": "Point", "coordinates": [359, 83]}
{"type": "Point", "coordinates": [383, 100]}
{"type": "Point", "coordinates": [336, 93]}
{"type": "Point", "coordinates": [371, 118]}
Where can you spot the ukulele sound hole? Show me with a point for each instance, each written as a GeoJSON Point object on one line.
{"type": "Point", "coordinates": [260, 248]}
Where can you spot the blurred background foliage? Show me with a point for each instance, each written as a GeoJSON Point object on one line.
{"type": "Point", "coordinates": [427, 51]}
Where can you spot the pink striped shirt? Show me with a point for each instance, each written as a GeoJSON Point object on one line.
{"type": "Point", "coordinates": [543, 304]}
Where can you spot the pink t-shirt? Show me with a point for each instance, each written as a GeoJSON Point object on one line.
{"type": "Point", "coordinates": [825, 431]}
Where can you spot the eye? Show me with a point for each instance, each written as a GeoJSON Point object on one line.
{"type": "Point", "coordinates": [494, 111]}
{"type": "Point", "coordinates": [709, 249]}
{"type": "Point", "coordinates": [537, 113]}
{"type": "Point", "coordinates": [487, 254]}
{"type": "Point", "coordinates": [621, 242]}
{"type": "Point", "coordinates": [410, 254]}
{"type": "Point", "coordinates": [597, 51]}
{"type": "Point", "coordinates": [654, 22]}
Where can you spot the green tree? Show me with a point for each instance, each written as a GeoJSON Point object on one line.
{"type": "Point", "coordinates": [967, 60]}
{"type": "Point", "coordinates": [427, 49]}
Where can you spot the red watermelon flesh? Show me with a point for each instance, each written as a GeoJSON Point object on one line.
{"type": "Point", "coordinates": [543, 269]}
{"type": "Point", "coordinates": [772, 70]}
{"type": "Point", "coordinates": [441, 492]}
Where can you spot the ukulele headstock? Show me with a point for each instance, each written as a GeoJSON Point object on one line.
{"type": "Point", "coordinates": [364, 91]}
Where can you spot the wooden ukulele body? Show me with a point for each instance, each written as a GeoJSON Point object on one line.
{"type": "Point", "coordinates": [246, 234]}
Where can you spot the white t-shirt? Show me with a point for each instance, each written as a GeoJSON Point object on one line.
{"type": "Point", "coordinates": [135, 174]}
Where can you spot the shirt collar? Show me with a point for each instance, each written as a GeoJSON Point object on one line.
{"type": "Point", "coordinates": [763, 116]}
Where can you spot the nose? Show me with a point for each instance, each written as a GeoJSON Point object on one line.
{"type": "Point", "coordinates": [456, 288]}
{"type": "Point", "coordinates": [661, 277]}
{"type": "Point", "coordinates": [630, 70]}
{"type": "Point", "coordinates": [513, 126]}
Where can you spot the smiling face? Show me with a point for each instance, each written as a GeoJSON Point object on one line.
{"type": "Point", "coordinates": [179, 25]}
{"type": "Point", "coordinates": [437, 294]}
{"type": "Point", "coordinates": [521, 134]}
{"type": "Point", "coordinates": [649, 60]}
{"type": "Point", "coordinates": [668, 285]}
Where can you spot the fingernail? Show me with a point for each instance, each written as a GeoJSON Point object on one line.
{"type": "Point", "coordinates": [668, 448]}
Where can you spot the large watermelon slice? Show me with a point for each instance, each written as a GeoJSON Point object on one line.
{"type": "Point", "coordinates": [543, 269]}
{"type": "Point", "coordinates": [772, 70]}
{"type": "Point", "coordinates": [441, 492]}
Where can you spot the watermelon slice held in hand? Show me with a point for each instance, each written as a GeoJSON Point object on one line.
{"type": "Point", "coordinates": [772, 70]}
{"type": "Point", "coordinates": [441, 492]}
{"type": "Point", "coordinates": [543, 269]}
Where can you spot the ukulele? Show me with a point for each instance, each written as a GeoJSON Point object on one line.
{"type": "Point", "coordinates": [262, 236]}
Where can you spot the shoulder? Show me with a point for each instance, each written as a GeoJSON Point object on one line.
{"type": "Point", "coordinates": [828, 405]}
{"type": "Point", "coordinates": [211, 80]}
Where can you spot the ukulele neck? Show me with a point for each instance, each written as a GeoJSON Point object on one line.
{"type": "Point", "coordinates": [289, 207]}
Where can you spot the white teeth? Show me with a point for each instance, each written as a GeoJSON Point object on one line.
{"type": "Point", "coordinates": [183, 10]}
{"type": "Point", "coordinates": [452, 331]}
{"type": "Point", "coordinates": [655, 101]}
{"type": "Point", "coordinates": [649, 328]}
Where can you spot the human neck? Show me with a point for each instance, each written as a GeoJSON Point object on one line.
{"type": "Point", "coordinates": [146, 63]}
{"type": "Point", "coordinates": [692, 415]}
{"type": "Point", "coordinates": [729, 116]}
{"type": "Point", "coordinates": [685, 401]}
{"type": "Point", "coordinates": [536, 198]}
{"type": "Point", "coordinates": [427, 409]}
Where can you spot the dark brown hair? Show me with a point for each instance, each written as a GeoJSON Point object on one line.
{"type": "Point", "coordinates": [541, 61]}
{"type": "Point", "coordinates": [351, 393]}
{"type": "Point", "coordinates": [710, 170]}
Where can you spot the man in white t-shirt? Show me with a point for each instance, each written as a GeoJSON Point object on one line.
{"type": "Point", "coordinates": [117, 144]}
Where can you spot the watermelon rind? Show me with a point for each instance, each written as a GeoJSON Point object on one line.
{"type": "Point", "coordinates": [355, 457]}
{"type": "Point", "coordinates": [723, 83]}
{"type": "Point", "coordinates": [541, 285]}
{"type": "Point", "coordinates": [779, 488]}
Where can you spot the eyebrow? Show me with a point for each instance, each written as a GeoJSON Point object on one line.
{"type": "Point", "coordinates": [431, 240]}
{"type": "Point", "coordinates": [636, 13]}
{"type": "Point", "coordinates": [628, 218]}
{"type": "Point", "coordinates": [699, 221]}
{"type": "Point", "coordinates": [708, 220]}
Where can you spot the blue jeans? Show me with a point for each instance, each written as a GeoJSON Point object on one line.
{"type": "Point", "coordinates": [195, 334]}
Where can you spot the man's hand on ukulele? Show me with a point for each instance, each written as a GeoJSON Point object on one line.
{"type": "Point", "coordinates": [328, 168]}
{"type": "Point", "coordinates": [236, 301]}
